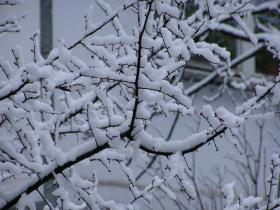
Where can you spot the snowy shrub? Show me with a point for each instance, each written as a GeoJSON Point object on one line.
{"type": "Point", "coordinates": [102, 107]}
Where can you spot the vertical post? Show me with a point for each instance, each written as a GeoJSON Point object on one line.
{"type": "Point", "coordinates": [248, 68]}
{"type": "Point", "coordinates": [46, 27]}
{"type": "Point", "coordinates": [46, 45]}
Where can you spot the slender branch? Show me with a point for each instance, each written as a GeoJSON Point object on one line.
{"type": "Point", "coordinates": [48, 176]}
{"type": "Point", "coordinates": [138, 69]}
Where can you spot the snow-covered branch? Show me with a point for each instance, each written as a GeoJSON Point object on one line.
{"type": "Point", "coordinates": [64, 111]}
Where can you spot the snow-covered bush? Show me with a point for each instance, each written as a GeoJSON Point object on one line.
{"type": "Point", "coordinates": [63, 112]}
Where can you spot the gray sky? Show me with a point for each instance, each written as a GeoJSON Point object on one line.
{"type": "Point", "coordinates": [68, 23]}
{"type": "Point", "coordinates": [29, 24]}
